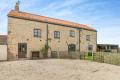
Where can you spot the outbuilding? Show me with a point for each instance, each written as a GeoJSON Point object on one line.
{"type": "Point", "coordinates": [3, 47]}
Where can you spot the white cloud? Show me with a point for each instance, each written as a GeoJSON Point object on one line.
{"type": "Point", "coordinates": [93, 13]}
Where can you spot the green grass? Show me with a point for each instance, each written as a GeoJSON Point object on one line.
{"type": "Point", "coordinates": [88, 57]}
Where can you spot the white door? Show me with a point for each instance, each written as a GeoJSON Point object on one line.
{"type": "Point", "coordinates": [3, 52]}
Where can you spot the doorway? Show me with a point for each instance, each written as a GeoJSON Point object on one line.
{"type": "Point", "coordinates": [22, 50]}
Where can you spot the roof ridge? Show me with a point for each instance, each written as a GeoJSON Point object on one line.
{"type": "Point", "coordinates": [50, 17]}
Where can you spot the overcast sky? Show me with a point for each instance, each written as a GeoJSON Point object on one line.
{"type": "Point", "coordinates": [103, 15]}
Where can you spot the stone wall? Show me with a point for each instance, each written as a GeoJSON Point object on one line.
{"type": "Point", "coordinates": [84, 43]}
{"type": "Point", "coordinates": [21, 31]}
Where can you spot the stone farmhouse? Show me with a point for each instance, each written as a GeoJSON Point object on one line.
{"type": "Point", "coordinates": [30, 32]}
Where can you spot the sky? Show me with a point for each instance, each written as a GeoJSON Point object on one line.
{"type": "Point", "coordinates": [103, 15]}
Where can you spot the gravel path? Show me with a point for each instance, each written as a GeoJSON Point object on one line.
{"type": "Point", "coordinates": [58, 69]}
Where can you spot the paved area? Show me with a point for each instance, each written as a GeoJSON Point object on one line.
{"type": "Point", "coordinates": [58, 69]}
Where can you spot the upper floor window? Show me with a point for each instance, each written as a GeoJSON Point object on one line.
{"type": "Point", "coordinates": [72, 33]}
{"type": "Point", "coordinates": [88, 38]}
{"type": "Point", "coordinates": [37, 32]}
{"type": "Point", "coordinates": [57, 34]}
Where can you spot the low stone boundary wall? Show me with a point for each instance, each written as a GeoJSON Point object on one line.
{"type": "Point", "coordinates": [68, 55]}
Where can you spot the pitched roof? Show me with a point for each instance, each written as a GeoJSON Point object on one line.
{"type": "Point", "coordinates": [29, 16]}
{"type": "Point", "coordinates": [3, 39]}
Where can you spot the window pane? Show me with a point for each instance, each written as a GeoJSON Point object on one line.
{"type": "Point", "coordinates": [35, 31]}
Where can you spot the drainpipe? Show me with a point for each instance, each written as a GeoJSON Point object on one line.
{"type": "Point", "coordinates": [79, 38]}
{"type": "Point", "coordinates": [46, 20]}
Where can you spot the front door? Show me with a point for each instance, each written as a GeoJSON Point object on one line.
{"type": "Point", "coordinates": [22, 50]}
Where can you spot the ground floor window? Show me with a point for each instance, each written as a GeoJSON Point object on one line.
{"type": "Point", "coordinates": [71, 47]}
{"type": "Point", "coordinates": [90, 48]}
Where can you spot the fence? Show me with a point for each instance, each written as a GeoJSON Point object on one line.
{"type": "Point", "coordinates": [103, 57]}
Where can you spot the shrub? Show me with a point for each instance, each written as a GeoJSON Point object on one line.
{"type": "Point", "coordinates": [89, 53]}
{"type": "Point", "coordinates": [44, 51]}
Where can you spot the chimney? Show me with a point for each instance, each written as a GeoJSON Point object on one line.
{"type": "Point", "coordinates": [17, 6]}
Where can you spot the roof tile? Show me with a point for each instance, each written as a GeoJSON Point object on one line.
{"type": "Point", "coordinates": [28, 16]}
